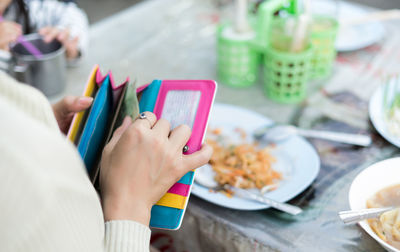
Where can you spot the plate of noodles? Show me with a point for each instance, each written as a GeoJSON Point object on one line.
{"type": "Point", "coordinates": [278, 170]}
{"type": "Point", "coordinates": [379, 186]}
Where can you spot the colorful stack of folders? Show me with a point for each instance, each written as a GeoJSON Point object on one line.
{"type": "Point", "coordinates": [178, 101]}
{"type": "Point", "coordinates": [90, 130]}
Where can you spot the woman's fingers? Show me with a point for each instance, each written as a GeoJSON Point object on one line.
{"type": "Point", "coordinates": [71, 47]}
{"type": "Point", "coordinates": [17, 28]}
{"type": "Point", "coordinates": [162, 127]}
{"type": "Point", "coordinates": [49, 33]}
{"type": "Point", "coordinates": [180, 136]}
{"type": "Point", "coordinates": [43, 31]}
{"type": "Point", "coordinates": [147, 121]}
{"type": "Point", "coordinates": [73, 104]}
{"type": "Point", "coordinates": [77, 104]}
{"type": "Point", "coordinates": [119, 132]}
{"type": "Point", "coordinates": [9, 32]}
{"type": "Point", "coordinates": [65, 109]}
{"type": "Point", "coordinates": [14, 36]}
{"type": "Point", "coordinates": [84, 102]}
{"type": "Point", "coordinates": [12, 26]}
{"type": "Point", "coordinates": [63, 36]}
{"type": "Point", "coordinates": [198, 158]}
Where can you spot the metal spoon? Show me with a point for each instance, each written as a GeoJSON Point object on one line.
{"type": "Point", "coordinates": [355, 216]}
{"type": "Point", "coordinates": [277, 133]}
{"type": "Point", "coordinates": [205, 177]}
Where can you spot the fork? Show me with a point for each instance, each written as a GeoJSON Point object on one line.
{"type": "Point", "coordinates": [284, 207]}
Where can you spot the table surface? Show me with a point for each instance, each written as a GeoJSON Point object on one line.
{"type": "Point", "coordinates": [175, 39]}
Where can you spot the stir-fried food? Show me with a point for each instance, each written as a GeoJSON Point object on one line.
{"type": "Point", "coordinates": [243, 165]}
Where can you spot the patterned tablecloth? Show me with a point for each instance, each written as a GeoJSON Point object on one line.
{"type": "Point", "coordinates": [175, 39]}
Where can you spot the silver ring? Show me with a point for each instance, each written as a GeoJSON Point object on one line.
{"type": "Point", "coordinates": [142, 116]}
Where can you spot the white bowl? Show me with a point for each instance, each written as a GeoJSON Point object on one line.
{"type": "Point", "coordinates": [374, 178]}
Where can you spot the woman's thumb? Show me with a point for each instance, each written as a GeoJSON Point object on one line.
{"type": "Point", "coordinates": [81, 103]}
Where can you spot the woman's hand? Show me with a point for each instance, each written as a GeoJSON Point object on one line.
{"type": "Point", "coordinates": [140, 163]}
{"type": "Point", "coordinates": [63, 36]}
{"type": "Point", "coordinates": [9, 32]}
{"type": "Point", "coordinates": [65, 109]}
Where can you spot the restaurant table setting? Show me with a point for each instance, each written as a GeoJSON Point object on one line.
{"type": "Point", "coordinates": [230, 41]}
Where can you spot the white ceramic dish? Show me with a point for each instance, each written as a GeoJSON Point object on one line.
{"type": "Point", "coordinates": [296, 159]}
{"type": "Point", "coordinates": [374, 178]}
{"type": "Point", "coordinates": [377, 116]}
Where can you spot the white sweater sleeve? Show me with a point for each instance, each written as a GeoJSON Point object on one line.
{"type": "Point", "coordinates": [44, 13]}
{"type": "Point", "coordinates": [119, 234]}
{"type": "Point", "coordinates": [47, 202]}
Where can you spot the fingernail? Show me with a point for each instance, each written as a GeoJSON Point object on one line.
{"type": "Point", "coordinates": [85, 100]}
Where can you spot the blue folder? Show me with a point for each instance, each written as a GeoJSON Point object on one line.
{"type": "Point", "coordinates": [94, 133]}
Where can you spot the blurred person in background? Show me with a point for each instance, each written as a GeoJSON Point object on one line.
{"type": "Point", "coordinates": [52, 19]}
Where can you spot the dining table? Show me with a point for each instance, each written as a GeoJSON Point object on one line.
{"type": "Point", "coordinates": [176, 39]}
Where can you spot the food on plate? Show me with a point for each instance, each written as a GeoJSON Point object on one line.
{"type": "Point", "coordinates": [393, 117]}
{"type": "Point", "coordinates": [393, 122]}
{"type": "Point", "coordinates": [387, 227]}
{"type": "Point", "coordinates": [244, 165]}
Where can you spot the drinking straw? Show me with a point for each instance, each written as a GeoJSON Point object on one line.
{"type": "Point", "coordinates": [241, 22]}
{"type": "Point", "coordinates": [28, 45]}
{"type": "Point", "coordinates": [300, 34]}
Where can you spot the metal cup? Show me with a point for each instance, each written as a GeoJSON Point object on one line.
{"type": "Point", "coordinates": [47, 73]}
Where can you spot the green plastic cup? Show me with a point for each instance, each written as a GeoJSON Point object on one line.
{"type": "Point", "coordinates": [237, 61]}
{"type": "Point", "coordinates": [286, 74]}
{"type": "Point", "coordinates": [323, 36]}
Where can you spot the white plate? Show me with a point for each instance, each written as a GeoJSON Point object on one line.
{"type": "Point", "coordinates": [297, 159]}
{"type": "Point", "coordinates": [353, 37]}
{"type": "Point", "coordinates": [377, 116]}
{"type": "Point", "coordinates": [374, 178]}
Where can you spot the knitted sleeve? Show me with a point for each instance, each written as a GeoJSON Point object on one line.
{"type": "Point", "coordinates": [28, 100]}
{"type": "Point", "coordinates": [126, 236]}
{"type": "Point", "coordinates": [47, 201]}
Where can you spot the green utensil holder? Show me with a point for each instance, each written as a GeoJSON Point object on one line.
{"type": "Point", "coordinates": [286, 74]}
{"type": "Point", "coordinates": [261, 22]}
{"type": "Point", "coordinates": [323, 36]}
{"type": "Point", "coordinates": [237, 62]}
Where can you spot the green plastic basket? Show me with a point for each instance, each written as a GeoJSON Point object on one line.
{"type": "Point", "coordinates": [286, 75]}
{"type": "Point", "coordinates": [237, 63]}
{"type": "Point", "coordinates": [323, 40]}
